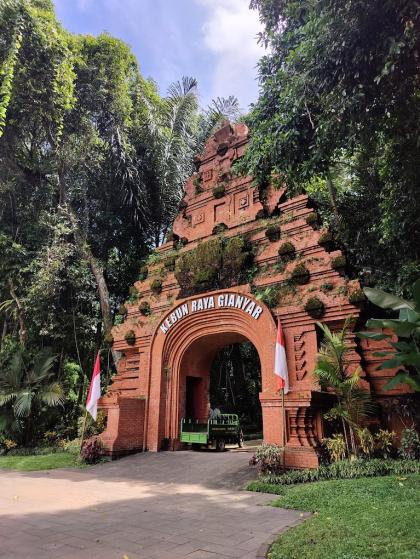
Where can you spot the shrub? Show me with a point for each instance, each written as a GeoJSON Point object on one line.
{"type": "Point", "coordinates": [108, 339]}
{"type": "Point", "coordinates": [315, 307]}
{"type": "Point", "coordinates": [197, 269]}
{"type": "Point", "coordinates": [219, 228]}
{"type": "Point", "coordinates": [133, 291]}
{"type": "Point", "coordinates": [144, 272]}
{"type": "Point", "coordinates": [287, 252]}
{"type": "Point", "coordinates": [130, 337]}
{"type": "Point", "coordinates": [219, 191]}
{"type": "Point", "coordinates": [6, 445]}
{"type": "Point", "coordinates": [300, 274]}
{"type": "Point", "coordinates": [144, 308]}
{"type": "Point", "coordinates": [384, 441]}
{"type": "Point", "coordinates": [357, 296]}
{"type": "Point", "coordinates": [410, 444]}
{"type": "Point", "coordinates": [170, 263]}
{"type": "Point", "coordinates": [182, 206]}
{"type": "Point", "coordinates": [261, 214]}
{"type": "Point", "coordinates": [344, 469]}
{"type": "Point", "coordinates": [336, 446]}
{"type": "Point", "coordinates": [325, 239]}
{"type": "Point", "coordinates": [338, 262]}
{"type": "Point", "coordinates": [312, 218]}
{"type": "Point", "coordinates": [156, 286]}
{"type": "Point", "coordinates": [273, 233]}
{"type": "Point", "coordinates": [122, 310]}
{"type": "Point", "coordinates": [325, 287]}
{"type": "Point", "coordinates": [92, 450]}
{"type": "Point", "coordinates": [269, 296]}
{"type": "Point", "coordinates": [268, 459]}
{"type": "Point", "coordinates": [73, 446]}
{"type": "Point", "coordinates": [366, 441]}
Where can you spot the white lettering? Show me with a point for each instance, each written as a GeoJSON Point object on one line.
{"type": "Point", "coordinates": [250, 307]}
{"type": "Point", "coordinates": [256, 313]}
{"type": "Point", "coordinates": [204, 303]}
{"type": "Point", "coordinates": [231, 302]}
{"type": "Point", "coordinates": [246, 301]}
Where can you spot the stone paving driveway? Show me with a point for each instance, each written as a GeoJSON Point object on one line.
{"type": "Point", "coordinates": [169, 505]}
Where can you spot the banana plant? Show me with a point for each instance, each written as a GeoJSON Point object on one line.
{"type": "Point", "coordinates": [405, 353]}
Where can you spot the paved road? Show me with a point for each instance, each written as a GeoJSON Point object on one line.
{"type": "Point", "coordinates": [169, 505]}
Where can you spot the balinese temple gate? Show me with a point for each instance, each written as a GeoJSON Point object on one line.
{"type": "Point", "coordinates": [237, 260]}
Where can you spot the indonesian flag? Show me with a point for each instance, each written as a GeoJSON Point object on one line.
{"type": "Point", "coordinates": [94, 389]}
{"type": "Point", "coordinates": [280, 365]}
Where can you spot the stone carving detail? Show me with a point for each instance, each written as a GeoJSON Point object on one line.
{"type": "Point", "coordinates": [300, 355]}
{"type": "Point", "coordinates": [207, 175]}
{"type": "Point", "coordinates": [244, 201]}
{"type": "Point", "coordinates": [199, 218]}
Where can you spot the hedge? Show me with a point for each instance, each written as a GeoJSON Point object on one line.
{"type": "Point", "coordinates": [344, 469]}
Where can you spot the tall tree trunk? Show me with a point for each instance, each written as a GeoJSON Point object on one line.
{"type": "Point", "coordinates": [333, 195]}
{"type": "Point", "coordinates": [19, 312]}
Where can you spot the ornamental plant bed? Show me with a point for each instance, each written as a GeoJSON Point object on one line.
{"type": "Point", "coordinates": [219, 191]}
{"type": "Point", "coordinates": [344, 469]}
{"type": "Point", "coordinates": [144, 272]}
{"type": "Point", "coordinates": [315, 307]}
{"type": "Point", "coordinates": [144, 308]}
{"type": "Point", "coordinates": [300, 274]}
{"type": "Point", "coordinates": [156, 286]}
{"type": "Point", "coordinates": [130, 337]}
{"type": "Point", "coordinates": [273, 233]}
{"type": "Point", "coordinates": [287, 251]}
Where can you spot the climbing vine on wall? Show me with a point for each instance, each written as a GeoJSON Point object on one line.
{"type": "Point", "coordinates": [213, 264]}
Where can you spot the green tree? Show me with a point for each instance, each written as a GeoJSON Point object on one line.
{"type": "Point", "coordinates": [338, 115]}
{"type": "Point", "coordinates": [332, 370]}
{"type": "Point", "coordinates": [405, 353]}
{"type": "Point", "coordinates": [27, 386]}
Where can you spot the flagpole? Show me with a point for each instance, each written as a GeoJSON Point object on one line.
{"type": "Point", "coordinates": [82, 436]}
{"type": "Point", "coordinates": [283, 428]}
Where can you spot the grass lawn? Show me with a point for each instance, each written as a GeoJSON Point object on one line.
{"type": "Point", "coordinates": [42, 462]}
{"type": "Point", "coordinates": [353, 519]}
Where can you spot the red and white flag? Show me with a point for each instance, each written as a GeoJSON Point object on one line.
{"type": "Point", "coordinates": [280, 364]}
{"type": "Point", "coordinates": [94, 389]}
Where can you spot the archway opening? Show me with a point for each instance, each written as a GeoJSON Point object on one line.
{"type": "Point", "coordinates": [222, 371]}
{"type": "Point", "coordinates": [235, 385]}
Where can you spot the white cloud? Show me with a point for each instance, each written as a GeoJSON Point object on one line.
{"type": "Point", "coordinates": [230, 34]}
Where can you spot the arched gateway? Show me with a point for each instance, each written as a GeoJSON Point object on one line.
{"type": "Point", "coordinates": [232, 247]}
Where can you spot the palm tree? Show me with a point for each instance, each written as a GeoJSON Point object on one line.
{"type": "Point", "coordinates": [332, 370]}
{"type": "Point", "coordinates": [171, 131]}
{"type": "Point", "coordinates": [26, 385]}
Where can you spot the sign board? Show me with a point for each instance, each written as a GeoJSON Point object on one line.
{"type": "Point", "coordinates": [224, 300]}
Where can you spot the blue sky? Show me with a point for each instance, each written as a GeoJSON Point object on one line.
{"type": "Point", "coordinates": [212, 40]}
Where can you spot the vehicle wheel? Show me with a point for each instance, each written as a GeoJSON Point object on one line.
{"type": "Point", "coordinates": [220, 445]}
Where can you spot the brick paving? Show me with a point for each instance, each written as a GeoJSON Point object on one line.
{"type": "Point", "coordinates": [169, 505]}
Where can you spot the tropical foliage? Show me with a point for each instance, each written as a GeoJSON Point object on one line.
{"type": "Point", "coordinates": [333, 372]}
{"type": "Point", "coordinates": [92, 165]}
{"type": "Point", "coordinates": [338, 116]}
{"type": "Point", "coordinates": [405, 353]}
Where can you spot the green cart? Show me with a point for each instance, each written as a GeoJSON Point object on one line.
{"type": "Point", "coordinates": [212, 433]}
